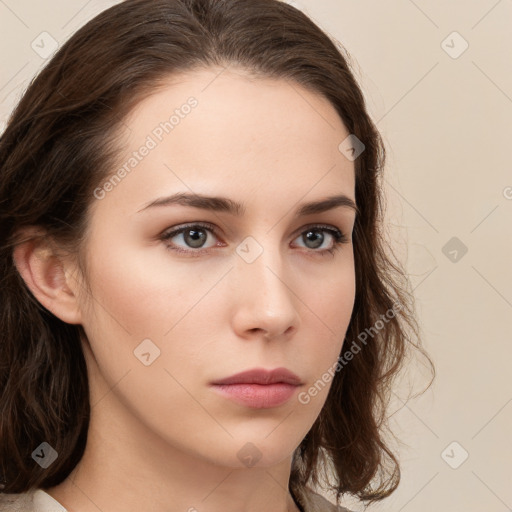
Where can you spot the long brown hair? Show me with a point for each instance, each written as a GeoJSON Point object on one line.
{"type": "Point", "coordinates": [60, 144]}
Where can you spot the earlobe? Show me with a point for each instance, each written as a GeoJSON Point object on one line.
{"type": "Point", "coordinates": [47, 278]}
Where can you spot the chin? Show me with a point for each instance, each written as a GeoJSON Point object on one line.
{"type": "Point", "coordinates": [257, 449]}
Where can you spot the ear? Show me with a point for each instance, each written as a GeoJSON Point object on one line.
{"type": "Point", "coordinates": [49, 277]}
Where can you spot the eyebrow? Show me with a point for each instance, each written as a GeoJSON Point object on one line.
{"type": "Point", "coordinates": [224, 204]}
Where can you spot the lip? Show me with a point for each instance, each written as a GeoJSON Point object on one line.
{"type": "Point", "coordinates": [259, 388]}
{"type": "Point", "coordinates": [262, 376]}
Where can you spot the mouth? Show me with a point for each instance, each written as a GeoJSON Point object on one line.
{"type": "Point", "coordinates": [259, 388]}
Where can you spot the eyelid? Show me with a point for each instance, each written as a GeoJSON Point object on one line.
{"type": "Point", "coordinates": [319, 226]}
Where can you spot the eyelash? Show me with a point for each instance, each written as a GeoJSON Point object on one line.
{"type": "Point", "coordinates": [339, 238]}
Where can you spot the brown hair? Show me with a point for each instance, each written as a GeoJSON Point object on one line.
{"type": "Point", "coordinates": [60, 144]}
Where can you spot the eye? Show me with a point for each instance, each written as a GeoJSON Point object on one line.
{"type": "Point", "coordinates": [193, 239]}
{"type": "Point", "coordinates": [315, 237]}
{"type": "Point", "coordinates": [193, 236]}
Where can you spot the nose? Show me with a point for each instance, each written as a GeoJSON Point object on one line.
{"type": "Point", "coordinates": [262, 297]}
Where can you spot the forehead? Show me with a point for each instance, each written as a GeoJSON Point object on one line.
{"type": "Point", "coordinates": [222, 128]}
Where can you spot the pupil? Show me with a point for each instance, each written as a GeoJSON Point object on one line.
{"type": "Point", "coordinates": [315, 237]}
{"type": "Point", "coordinates": [195, 237]}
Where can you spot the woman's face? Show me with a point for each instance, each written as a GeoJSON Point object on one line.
{"type": "Point", "coordinates": [252, 283]}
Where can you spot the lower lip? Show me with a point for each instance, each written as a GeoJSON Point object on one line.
{"type": "Point", "coordinates": [257, 396]}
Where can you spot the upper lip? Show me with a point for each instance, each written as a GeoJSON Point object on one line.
{"type": "Point", "coordinates": [262, 376]}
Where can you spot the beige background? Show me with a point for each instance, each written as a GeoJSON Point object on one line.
{"type": "Point", "coordinates": [445, 115]}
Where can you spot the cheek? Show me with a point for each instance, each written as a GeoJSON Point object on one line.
{"type": "Point", "coordinates": [330, 297]}
{"type": "Point", "coordinates": [326, 320]}
{"type": "Point", "coordinates": [144, 292]}
{"type": "Point", "coordinates": [140, 295]}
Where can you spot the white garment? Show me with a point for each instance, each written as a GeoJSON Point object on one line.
{"type": "Point", "coordinates": [40, 501]}
{"type": "Point", "coordinates": [32, 501]}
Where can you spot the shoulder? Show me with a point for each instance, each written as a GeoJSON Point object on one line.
{"type": "Point", "coordinates": [35, 500]}
{"type": "Point", "coordinates": [314, 502]}
{"type": "Point", "coordinates": [16, 502]}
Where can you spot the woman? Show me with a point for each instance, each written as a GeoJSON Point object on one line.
{"type": "Point", "coordinates": [198, 312]}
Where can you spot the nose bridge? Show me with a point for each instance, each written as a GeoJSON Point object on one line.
{"type": "Point", "coordinates": [264, 299]}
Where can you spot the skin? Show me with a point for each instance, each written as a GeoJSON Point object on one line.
{"type": "Point", "coordinates": [158, 434]}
